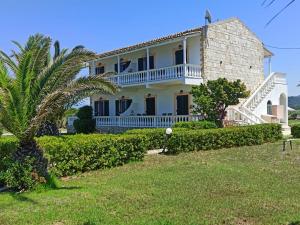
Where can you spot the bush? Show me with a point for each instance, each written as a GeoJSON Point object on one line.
{"type": "Point", "coordinates": [69, 155]}
{"type": "Point", "coordinates": [184, 141]}
{"type": "Point", "coordinates": [85, 123]}
{"type": "Point", "coordinates": [155, 136]}
{"type": "Point", "coordinates": [79, 153]}
{"type": "Point", "coordinates": [196, 125]}
{"type": "Point", "coordinates": [296, 131]}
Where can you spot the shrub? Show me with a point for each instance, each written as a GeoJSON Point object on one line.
{"type": "Point", "coordinates": [196, 125]}
{"type": "Point", "coordinates": [69, 155]}
{"type": "Point", "coordinates": [79, 153]}
{"type": "Point", "coordinates": [85, 123]}
{"type": "Point", "coordinates": [19, 176]}
{"type": "Point", "coordinates": [155, 136]}
{"type": "Point", "coordinates": [184, 141]}
{"type": "Point", "coordinates": [296, 131]}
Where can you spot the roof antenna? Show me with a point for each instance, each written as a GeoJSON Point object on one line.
{"type": "Point", "coordinates": [207, 17]}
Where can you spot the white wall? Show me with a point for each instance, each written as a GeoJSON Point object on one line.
{"type": "Point", "coordinates": [274, 97]}
{"type": "Point", "coordinates": [164, 56]}
{"type": "Point", "coordinates": [165, 98]}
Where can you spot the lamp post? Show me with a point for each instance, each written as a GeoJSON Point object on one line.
{"type": "Point", "coordinates": [169, 132]}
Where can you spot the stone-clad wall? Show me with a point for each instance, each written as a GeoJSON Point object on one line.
{"type": "Point", "coordinates": [231, 50]}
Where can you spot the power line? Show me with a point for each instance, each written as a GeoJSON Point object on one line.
{"type": "Point", "coordinates": [282, 48]}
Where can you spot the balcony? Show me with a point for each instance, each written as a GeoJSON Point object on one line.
{"type": "Point", "coordinates": [185, 73]}
{"type": "Point", "coordinates": [139, 121]}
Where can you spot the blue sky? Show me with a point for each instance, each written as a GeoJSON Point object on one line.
{"type": "Point", "coordinates": [102, 25]}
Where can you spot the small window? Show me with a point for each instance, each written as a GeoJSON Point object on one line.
{"type": "Point", "coordinates": [101, 108]}
{"type": "Point", "coordinates": [100, 70]}
{"type": "Point", "coordinates": [142, 63]}
{"type": "Point", "coordinates": [122, 105]}
{"type": "Point", "coordinates": [269, 108]}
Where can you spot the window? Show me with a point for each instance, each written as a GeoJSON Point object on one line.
{"type": "Point", "coordinates": [269, 108]}
{"type": "Point", "coordinates": [122, 105]}
{"type": "Point", "coordinates": [101, 108]}
{"type": "Point", "coordinates": [179, 57]}
{"type": "Point", "coordinates": [142, 63]}
{"type": "Point", "coordinates": [99, 70]}
{"type": "Point", "coordinates": [123, 66]}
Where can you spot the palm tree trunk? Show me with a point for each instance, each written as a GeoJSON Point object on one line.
{"type": "Point", "coordinates": [29, 150]}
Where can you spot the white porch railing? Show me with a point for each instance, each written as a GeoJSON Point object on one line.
{"type": "Point", "coordinates": [154, 75]}
{"type": "Point", "coordinates": [139, 121]}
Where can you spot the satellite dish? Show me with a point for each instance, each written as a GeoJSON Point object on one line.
{"type": "Point", "coordinates": [207, 17]}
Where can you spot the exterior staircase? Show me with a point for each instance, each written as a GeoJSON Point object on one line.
{"type": "Point", "coordinates": [244, 113]}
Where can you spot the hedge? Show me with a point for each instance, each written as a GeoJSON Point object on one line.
{"type": "Point", "coordinates": [69, 155]}
{"type": "Point", "coordinates": [155, 136]}
{"type": "Point", "coordinates": [296, 130]}
{"type": "Point", "coordinates": [195, 140]}
{"type": "Point", "coordinates": [196, 125]}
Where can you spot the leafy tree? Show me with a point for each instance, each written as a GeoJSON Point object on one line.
{"type": "Point", "coordinates": [212, 99]}
{"type": "Point", "coordinates": [85, 123]}
{"type": "Point", "coordinates": [34, 88]}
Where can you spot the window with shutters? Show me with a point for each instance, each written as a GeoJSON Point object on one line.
{"type": "Point", "coordinates": [179, 57]}
{"type": "Point", "coordinates": [101, 108]}
{"type": "Point", "coordinates": [123, 66]}
{"type": "Point", "coordinates": [99, 70]}
{"type": "Point", "coordinates": [142, 63]}
{"type": "Point", "coordinates": [122, 105]}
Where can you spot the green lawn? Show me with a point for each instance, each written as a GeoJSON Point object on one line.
{"type": "Point", "coordinates": [293, 122]}
{"type": "Point", "coordinates": [249, 185]}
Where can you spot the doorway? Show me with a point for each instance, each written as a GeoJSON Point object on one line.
{"type": "Point", "coordinates": [182, 105]}
{"type": "Point", "coordinates": [150, 106]}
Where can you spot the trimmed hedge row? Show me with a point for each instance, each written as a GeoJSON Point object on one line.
{"type": "Point", "coordinates": [296, 130]}
{"type": "Point", "coordinates": [155, 136]}
{"type": "Point", "coordinates": [196, 125]}
{"type": "Point", "coordinates": [69, 155]}
{"type": "Point", "coordinates": [223, 138]}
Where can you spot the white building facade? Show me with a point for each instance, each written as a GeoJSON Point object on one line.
{"type": "Point", "coordinates": [156, 77]}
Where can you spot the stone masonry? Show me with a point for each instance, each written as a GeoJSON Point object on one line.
{"type": "Point", "coordinates": [232, 51]}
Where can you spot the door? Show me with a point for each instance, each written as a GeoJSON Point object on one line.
{"type": "Point", "coordinates": [179, 57]}
{"type": "Point", "coordinates": [150, 106]}
{"type": "Point", "coordinates": [182, 104]}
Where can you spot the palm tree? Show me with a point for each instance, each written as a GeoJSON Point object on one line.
{"type": "Point", "coordinates": [34, 87]}
{"type": "Point", "coordinates": [50, 126]}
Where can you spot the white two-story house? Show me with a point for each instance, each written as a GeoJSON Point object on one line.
{"type": "Point", "coordinates": [155, 78]}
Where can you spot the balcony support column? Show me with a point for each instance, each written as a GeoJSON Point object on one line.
{"type": "Point", "coordinates": [119, 69]}
{"type": "Point", "coordinates": [184, 57]}
{"type": "Point", "coordinates": [148, 63]}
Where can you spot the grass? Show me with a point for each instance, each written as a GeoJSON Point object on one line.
{"type": "Point", "coordinates": [294, 122]}
{"type": "Point", "coordinates": [249, 185]}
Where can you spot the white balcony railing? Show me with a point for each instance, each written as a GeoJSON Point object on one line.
{"type": "Point", "coordinates": [154, 75]}
{"type": "Point", "coordinates": [139, 121]}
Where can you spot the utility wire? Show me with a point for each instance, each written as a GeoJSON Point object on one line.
{"type": "Point", "coordinates": [281, 11]}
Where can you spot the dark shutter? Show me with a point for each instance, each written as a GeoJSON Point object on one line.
{"type": "Point", "coordinates": [151, 59]}
{"type": "Point", "coordinates": [96, 108]}
{"type": "Point", "coordinates": [141, 64]}
{"type": "Point", "coordinates": [117, 107]}
{"type": "Point", "coordinates": [179, 57]}
{"type": "Point", "coordinates": [106, 108]}
{"type": "Point", "coordinates": [116, 67]}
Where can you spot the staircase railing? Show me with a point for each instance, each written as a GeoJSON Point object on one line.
{"type": "Point", "coordinates": [245, 112]}
{"type": "Point", "coordinates": [260, 92]}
